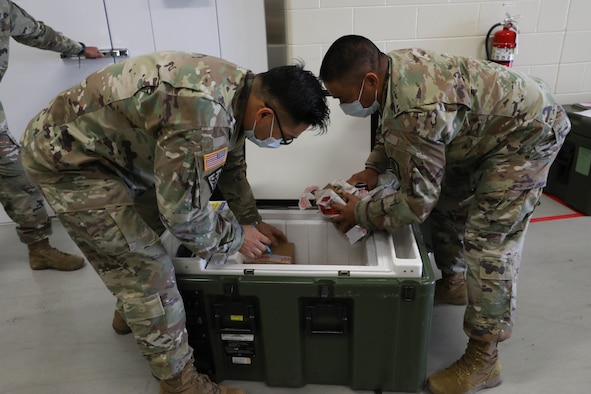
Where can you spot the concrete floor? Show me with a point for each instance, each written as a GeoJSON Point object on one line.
{"type": "Point", "coordinates": [56, 335]}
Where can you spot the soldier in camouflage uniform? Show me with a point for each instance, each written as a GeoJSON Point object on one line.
{"type": "Point", "coordinates": [471, 143]}
{"type": "Point", "coordinates": [21, 200]}
{"type": "Point", "coordinates": [170, 126]}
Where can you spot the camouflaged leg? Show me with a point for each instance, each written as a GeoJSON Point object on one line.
{"type": "Point", "coordinates": [494, 237]}
{"type": "Point", "coordinates": [131, 261]}
{"type": "Point", "coordinates": [448, 218]}
{"type": "Point", "coordinates": [21, 200]}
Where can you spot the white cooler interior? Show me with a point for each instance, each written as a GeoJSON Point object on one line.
{"type": "Point", "coordinates": [320, 250]}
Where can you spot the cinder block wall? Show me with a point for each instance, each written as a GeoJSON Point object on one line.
{"type": "Point", "coordinates": [554, 40]}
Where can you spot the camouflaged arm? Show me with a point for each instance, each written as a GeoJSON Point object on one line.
{"type": "Point", "coordinates": [418, 165]}
{"type": "Point", "coordinates": [28, 31]}
{"type": "Point", "coordinates": [183, 197]}
{"type": "Point", "coordinates": [377, 160]}
{"type": "Point", "coordinates": [386, 213]}
{"type": "Point", "coordinates": [235, 187]}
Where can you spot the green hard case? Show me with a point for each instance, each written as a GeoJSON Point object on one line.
{"type": "Point", "coordinates": [287, 331]}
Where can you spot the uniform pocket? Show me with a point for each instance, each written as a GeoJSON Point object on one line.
{"type": "Point", "coordinates": [112, 231]}
{"type": "Point", "coordinates": [132, 227]}
{"type": "Point", "coordinates": [143, 309]}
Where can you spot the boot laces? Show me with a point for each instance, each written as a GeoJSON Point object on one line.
{"type": "Point", "coordinates": [189, 378]}
{"type": "Point", "coordinates": [203, 381]}
{"type": "Point", "coordinates": [50, 252]}
{"type": "Point", "coordinates": [466, 365]}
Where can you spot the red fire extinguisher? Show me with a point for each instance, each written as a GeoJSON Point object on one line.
{"type": "Point", "coordinates": [504, 43]}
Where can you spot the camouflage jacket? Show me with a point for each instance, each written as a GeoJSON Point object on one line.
{"type": "Point", "coordinates": [167, 120]}
{"type": "Point", "coordinates": [478, 117]}
{"type": "Point", "coordinates": [18, 24]}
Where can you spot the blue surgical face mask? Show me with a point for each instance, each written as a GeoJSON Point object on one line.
{"type": "Point", "coordinates": [357, 109]}
{"type": "Point", "coordinates": [269, 142]}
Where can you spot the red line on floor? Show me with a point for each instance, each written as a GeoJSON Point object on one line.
{"type": "Point", "coordinates": [575, 213]}
{"type": "Point", "coordinates": [556, 217]}
{"type": "Point", "coordinates": [558, 200]}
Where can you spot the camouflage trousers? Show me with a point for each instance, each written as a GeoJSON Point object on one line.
{"type": "Point", "coordinates": [20, 198]}
{"type": "Point", "coordinates": [118, 232]}
{"type": "Point", "coordinates": [482, 234]}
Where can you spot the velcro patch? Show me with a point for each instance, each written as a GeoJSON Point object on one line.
{"type": "Point", "coordinates": [213, 178]}
{"type": "Point", "coordinates": [215, 159]}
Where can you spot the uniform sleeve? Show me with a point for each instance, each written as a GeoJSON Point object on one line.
{"type": "Point", "coordinates": [415, 145]}
{"type": "Point", "coordinates": [235, 187]}
{"type": "Point", "coordinates": [28, 31]}
{"type": "Point", "coordinates": [378, 160]}
{"type": "Point", "coordinates": [183, 197]}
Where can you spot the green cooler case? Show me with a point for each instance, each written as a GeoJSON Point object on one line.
{"type": "Point", "coordinates": [355, 315]}
{"type": "Point", "coordinates": [569, 178]}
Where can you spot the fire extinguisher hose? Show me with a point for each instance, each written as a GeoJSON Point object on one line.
{"type": "Point", "coordinates": [487, 40]}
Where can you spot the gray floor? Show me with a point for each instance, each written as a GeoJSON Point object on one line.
{"type": "Point", "coordinates": [56, 335]}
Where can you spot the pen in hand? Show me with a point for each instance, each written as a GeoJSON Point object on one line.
{"type": "Point", "coordinates": [268, 251]}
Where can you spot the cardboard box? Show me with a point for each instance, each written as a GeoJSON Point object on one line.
{"type": "Point", "coordinates": [280, 254]}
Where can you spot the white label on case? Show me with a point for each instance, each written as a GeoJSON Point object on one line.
{"type": "Point", "coordinates": [242, 360]}
{"type": "Point", "coordinates": [238, 337]}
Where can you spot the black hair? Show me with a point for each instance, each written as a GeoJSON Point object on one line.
{"type": "Point", "coordinates": [348, 58]}
{"type": "Point", "coordinates": [299, 93]}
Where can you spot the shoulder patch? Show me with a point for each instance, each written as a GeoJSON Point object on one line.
{"type": "Point", "coordinates": [215, 159]}
{"type": "Point", "coordinates": [213, 178]}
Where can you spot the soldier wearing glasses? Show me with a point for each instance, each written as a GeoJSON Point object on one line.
{"type": "Point", "coordinates": [139, 147]}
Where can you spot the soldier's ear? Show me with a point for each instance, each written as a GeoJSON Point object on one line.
{"type": "Point", "coordinates": [263, 112]}
{"type": "Point", "coordinates": [372, 79]}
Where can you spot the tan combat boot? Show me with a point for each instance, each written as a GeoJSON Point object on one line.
{"type": "Point", "coordinates": [119, 324]}
{"type": "Point", "coordinates": [451, 289]}
{"type": "Point", "coordinates": [189, 381]}
{"type": "Point", "coordinates": [477, 369]}
{"type": "Point", "coordinates": [43, 256]}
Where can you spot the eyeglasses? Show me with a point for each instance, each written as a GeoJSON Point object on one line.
{"type": "Point", "coordinates": [284, 141]}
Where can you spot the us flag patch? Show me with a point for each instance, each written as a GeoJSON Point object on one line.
{"type": "Point", "coordinates": [215, 159]}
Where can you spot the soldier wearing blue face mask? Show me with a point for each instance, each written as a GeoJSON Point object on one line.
{"type": "Point", "coordinates": [270, 141]}
{"type": "Point", "coordinates": [471, 143]}
{"type": "Point", "coordinates": [165, 128]}
{"type": "Point", "coordinates": [357, 109]}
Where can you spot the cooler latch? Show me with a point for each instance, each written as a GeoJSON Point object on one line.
{"type": "Point", "coordinates": [408, 293]}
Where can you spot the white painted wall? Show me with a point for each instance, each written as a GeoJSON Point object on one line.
{"type": "Point", "coordinates": [235, 31]}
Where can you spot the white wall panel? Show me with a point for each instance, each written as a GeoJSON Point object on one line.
{"type": "Point", "coordinates": [35, 76]}
{"type": "Point", "coordinates": [130, 25]}
{"type": "Point", "coordinates": [185, 25]}
{"type": "Point", "coordinates": [243, 39]}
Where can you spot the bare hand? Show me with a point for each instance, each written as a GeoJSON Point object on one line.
{"type": "Point", "coordinates": [273, 233]}
{"type": "Point", "coordinates": [346, 218]}
{"type": "Point", "coordinates": [367, 176]}
{"type": "Point", "coordinates": [93, 53]}
{"type": "Point", "coordinates": [255, 243]}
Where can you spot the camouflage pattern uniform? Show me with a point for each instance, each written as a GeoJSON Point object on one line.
{"type": "Point", "coordinates": [473, 141]}
{"type": "Point", "coordinates": [21, 200]}
{"type": "Point", "coordinates": [164, 125]}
